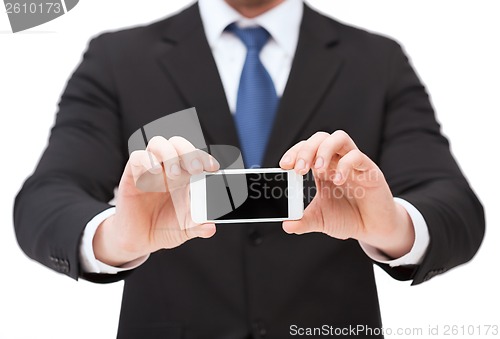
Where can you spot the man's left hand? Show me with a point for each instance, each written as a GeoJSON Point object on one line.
{"type": "Point", "coordinates": [353, 200]}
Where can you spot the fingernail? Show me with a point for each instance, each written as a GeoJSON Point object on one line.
{"type": "Point", "coordinates": [196, 164]}
{"type": "Point", "coordinates": [214, 164]}
{"type": "Point", "coordinates": [287, 159]}
{"type": "Point", "coordinates": [319, 163]}
{"type": "Point", "coordinates": [301, 164]}
{"type": "Point", "coordinates": [338, 178]}
{"type": "Point", "coordinates": [175, 169]}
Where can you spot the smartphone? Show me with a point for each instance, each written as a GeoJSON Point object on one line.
{"type": "Point", "coordinates": [246, 195]}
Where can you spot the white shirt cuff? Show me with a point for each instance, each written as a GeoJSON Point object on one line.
{"type": "Point", "coordinates": [88, 261]}
{"type": "Point", "coordinates": [419, 248]}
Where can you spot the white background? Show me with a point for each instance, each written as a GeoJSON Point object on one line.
{"type": "Point", "coordinates": [454, 46]}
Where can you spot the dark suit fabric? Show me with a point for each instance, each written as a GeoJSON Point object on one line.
{"type": "Point", "coordinates": [248, 279]}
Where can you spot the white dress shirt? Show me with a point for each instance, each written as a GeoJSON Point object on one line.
{"type": "Point", "coordinates": [283, 24]}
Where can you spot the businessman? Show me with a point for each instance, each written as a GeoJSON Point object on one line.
{"type": "Point", "coordinates": [290, 88]}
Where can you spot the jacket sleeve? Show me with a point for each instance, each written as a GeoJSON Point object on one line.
{"type": "Point", "coordinates": [419, 167]}
{"type": "Point", "coordinates": [78, 170]}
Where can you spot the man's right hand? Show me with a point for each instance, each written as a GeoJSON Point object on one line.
{"type": "Point", "coordinates": [152, 203]}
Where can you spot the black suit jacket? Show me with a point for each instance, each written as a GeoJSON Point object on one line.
{"type": "Point", "coordinates": [248, 279]}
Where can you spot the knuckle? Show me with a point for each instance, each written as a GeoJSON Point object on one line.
{"type": "Point", "coordinates": [357, 154]}
{"type": "Point", "coordinates": [326, 146]}
{"type": "Point", "coordinates": [354, 158]}
{"type": "Point", "coordinates": [181, 143]}
{"type": "Point", "coordinates": [136, 154]}
{"type": "Point", "coordinates": [296, 148]}
{"type": "Point", "coordinates": [320, 134]}
{"type": "Point", "coordinates": [341, 135]}
{"type": "Point", "coordinates": [349, 158]}
{"type": "Point", "coordinates": [306, 151]}
{"type": "Point", "coordinates": [136, 157]}
{"type": "Point", "coordinates": [156, 141]}
{"type": "Point", "coordinates": [201, 153]}
{"type": "Point", "coordinates": [299, 145]}
{"type": "Point", "coordinates": [176, 137]}
{"type": "Point", "coordinates": [178, 140]}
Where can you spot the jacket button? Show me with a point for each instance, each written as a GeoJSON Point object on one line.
{"type": "Point", "coordinates": [256, 238]}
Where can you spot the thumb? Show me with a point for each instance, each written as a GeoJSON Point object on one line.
{"type": "Point", "coordinates": [206, 230]}
{"type": "Point", "coordinates": [293, 226]}
{"type": "Point", "coordinates": [308, 224]}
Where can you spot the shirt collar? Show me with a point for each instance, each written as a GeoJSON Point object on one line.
{"type": "Point", "coordinates": [282, 22]}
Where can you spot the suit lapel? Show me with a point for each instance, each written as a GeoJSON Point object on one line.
{"type": "Point", "coordinates": [186, 58]}
{"type": "Point", "coordinates": [314, 70]}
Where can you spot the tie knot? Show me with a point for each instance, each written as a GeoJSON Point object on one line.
{"type": "Point", "coordinates": [254, 38]}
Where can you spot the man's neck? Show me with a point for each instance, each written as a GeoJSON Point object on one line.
{"type": "Point", "coordinates": [253, 8]}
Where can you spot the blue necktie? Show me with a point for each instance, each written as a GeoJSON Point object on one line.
{"type": "Point", "coordinates": [257, 100]}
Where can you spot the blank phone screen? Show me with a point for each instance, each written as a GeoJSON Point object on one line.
{"type": "Point", "coordinates": [247, 196]}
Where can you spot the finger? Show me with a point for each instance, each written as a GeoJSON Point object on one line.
{"type": "Point", "coordinates": [192, 159]}
{"type": "Point", "coordinates": [353, 166]}
{"type": "Point", "coordinates": [166, 153]}
{"type": "Point", "coordinates": [210, 164]}
{"type": "Point", "coordinates": [307, 153]}
{"type": "Point", "coordinates": [288, 160]}
{"type": "Point", "coordinates": [144, 161]}
{"type": "Point", "coordinates": [146, 172]}
{"type": "Point", "coordinates": [336, 145]}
